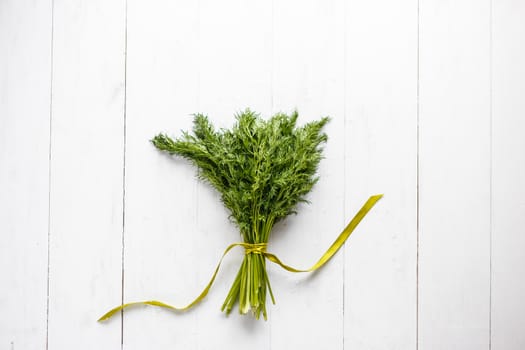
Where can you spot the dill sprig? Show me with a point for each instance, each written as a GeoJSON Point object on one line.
{"type": "Point", "coordinates": [262, 170]}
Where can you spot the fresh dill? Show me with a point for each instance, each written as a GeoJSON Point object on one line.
{"type": "Point", "coordinates": [262, 170]}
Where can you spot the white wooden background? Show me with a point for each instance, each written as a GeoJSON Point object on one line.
{"type": "Point", "coordinates": [428, 105]}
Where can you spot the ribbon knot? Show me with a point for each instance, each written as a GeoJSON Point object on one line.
{"type": "Point", "coordinates": [254, 248]}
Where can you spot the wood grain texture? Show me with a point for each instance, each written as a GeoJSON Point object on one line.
{"type": "Point", "coordinates": [381, 157]}
{"type": "Point", "coordinates": [193, 57]}
{"type": "Point", "coordinates": [508, 174]}
{"type": "Point", "coordinates": [234, 73]}
{"type": "Point", "coordinates": [307, 75]}
{"type": "Point", "coordinates": [161, 242]}
{"type": "Point", "coordinates": [454, 189]}
{"type": "Point", "coordinates": [427, 107]}
{"type": "Point", "coordinates": [86, 173]}
{"type": "Point", "coordinates": [25, 83]}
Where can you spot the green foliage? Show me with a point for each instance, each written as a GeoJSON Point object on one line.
{"type": "Point", "coordinates": [261, 168]}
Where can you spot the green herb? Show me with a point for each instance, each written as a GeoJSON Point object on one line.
{"type": "Point", "coordinates": [262, 169]}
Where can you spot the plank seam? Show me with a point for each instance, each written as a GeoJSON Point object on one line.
{"type": "Point", "coordinates": [49, 171]}
{"type": "Point", "coordinates": [344, 159]}
{"type": "Point", "coordinates": [490, 166]}
{"type": "Point", "coordinates": [272, 71]}
{"type": "Point", "coordinates": [417, 169]}
{"type": "Point", "coordinates": [124, 140]}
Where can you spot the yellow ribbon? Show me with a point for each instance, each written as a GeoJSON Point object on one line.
{"type": "Point", "coordinates": [260, 248]}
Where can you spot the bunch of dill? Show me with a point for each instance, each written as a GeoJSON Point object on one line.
{"type": "Point", "coordinates": [262, 169]}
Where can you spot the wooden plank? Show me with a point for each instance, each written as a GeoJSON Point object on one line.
{"type": "Point", "coordinates": [86, 173]}
{"type": "Point", "coordinates": [161, 244]}
{"type": "Point", "coordinates": [454, 195]}
{"type": "Point", "coordinates": [25, 83]}
{"type": "Point", "coordinates": [234, 73]}
{"type": "Point", "coordinates": [508, 174]}
{"type": "Point", "coordinates": [187, 60]}
{"type": "Point", "coordinates": [308, 62]}
{"type": "Point", "coordinates": [381, 157]}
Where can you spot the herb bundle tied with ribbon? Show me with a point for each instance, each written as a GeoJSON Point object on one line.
{"type": "Point", "coordinates": [262, 170]}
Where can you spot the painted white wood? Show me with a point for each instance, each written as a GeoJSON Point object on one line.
{"type": "Point", "coordinates": [454, 188]}
{"type": "Point", "coordinates": [189, 60]}
{"type": "Point", "coordinates": [161, 240]}
{"type": "Point", "coordinates": [86, 173]}
{"type": "Point", "coordinates": [234, 73]}
{"type": "Point", "coordinates": [25, 82]}
{"type": "Point", "coordinates": [308, 75]}
{"type": "Point", "coordinates": [381, 157]}
{"type": "Point", "coordinates": [508, 175]}
{"type": "Point", "coordinates": [354, 61]}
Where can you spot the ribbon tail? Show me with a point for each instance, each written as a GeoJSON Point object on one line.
{"type": "Point", "coordinates": [338, 243]}
{"type": "Point", "coordinates": [197, 300]}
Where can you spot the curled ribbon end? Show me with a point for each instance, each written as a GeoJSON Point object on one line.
{"type": "Point", "coordinates": [105, 317]}
{"type": "Point", "coordinates": [109, 314]}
